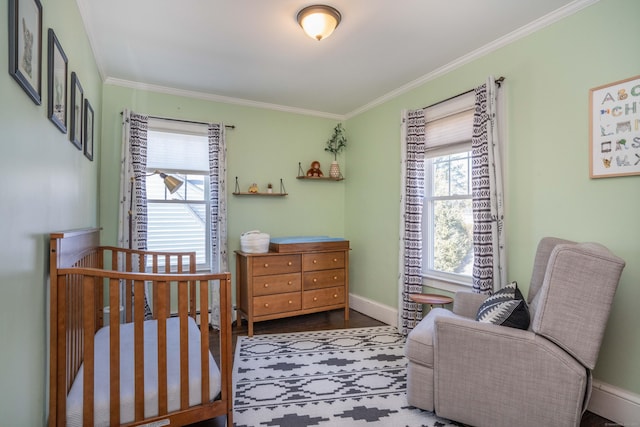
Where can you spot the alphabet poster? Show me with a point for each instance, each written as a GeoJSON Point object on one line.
{"type": "Point", "coordinates": [615, 129]}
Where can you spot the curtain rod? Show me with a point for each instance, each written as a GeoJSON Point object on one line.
{"type": "Point", "coordinates": [185, 121]}
{"type": "Point", "coordinates": [498, 81]}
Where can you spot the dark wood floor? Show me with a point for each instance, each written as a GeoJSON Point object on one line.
{"type": "Point", "coordinates": [335, 320]}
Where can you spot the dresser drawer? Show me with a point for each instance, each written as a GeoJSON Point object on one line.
{"type": "Point", "coordinates": [323, 297]}
{"type": "Point", "coordinates": [323, 279]}
{"type": "Point", "coordinates": [323, 261]}
{"type": "Point", "coordinates": [272, 304]}
{"type": "Point", "coordinates": [276, 284]}
{"type": "Point", "coordinates": [276, 264]}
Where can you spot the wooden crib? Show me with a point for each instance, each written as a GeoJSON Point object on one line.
{"type": "Point", "coordinates": [155, 372]}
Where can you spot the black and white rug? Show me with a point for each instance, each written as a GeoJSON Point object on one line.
{"type": "Point", "coordinates": [344, 377]}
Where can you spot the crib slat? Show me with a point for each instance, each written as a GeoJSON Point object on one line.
{"type": "Point", "coordinates": [192, 285]}
{"type": "Point", "coordinates": [183, 315]}
{"type": "Point", "coordinates": [225, 343]}
{"type": "Point", "coordinates": [163, 313]}
{"type": "Point", "coordinates": [138, 331]}
{"type": "Point", "coordinates": [114, 351]}
{"type": "Point", "coordinates": [204, 339]}
{"type": "Point", "coordinates": [61, 346]}
{"type": "Point", "coordinates": [89, 360]}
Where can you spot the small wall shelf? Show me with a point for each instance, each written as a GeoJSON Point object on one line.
{"type": "Point", "coordinates": [301, 175]}
{"type": "Point", "coordinates": [259, 194]}
{"type": "Point", "coordinates": [320, 178]}
{"type": "Point", "coordinates": [282, 191]}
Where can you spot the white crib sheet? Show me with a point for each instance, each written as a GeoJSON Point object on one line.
{"type": "Point", "coordinates": [101, 392]}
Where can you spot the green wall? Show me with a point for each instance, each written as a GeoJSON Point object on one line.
{"type": "Point", "coordinates": [48, 185]}
{"type": "Point", "coordinates": [548, 189]}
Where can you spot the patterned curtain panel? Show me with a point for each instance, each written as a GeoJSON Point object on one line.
{"type": "Point", "coordinates": [488, 199]}
{"type": "Point", "coordinates": [218, 196]}
{"type": "Point", "coordinates": [132, 227]}
{"type": "Point", "coordinates": [411, 218]}
{"type": "Point", "coordinates": [132, 230]}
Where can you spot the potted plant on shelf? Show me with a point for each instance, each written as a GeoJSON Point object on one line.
{"type": "Point", "coordinates": [335, 145]}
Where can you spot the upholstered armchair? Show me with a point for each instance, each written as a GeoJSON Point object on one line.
{"type": "Point", "coordinates": [484, 374]}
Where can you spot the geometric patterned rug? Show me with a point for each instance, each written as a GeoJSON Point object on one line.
{"type": "Point", "coordinates": [342, 377]}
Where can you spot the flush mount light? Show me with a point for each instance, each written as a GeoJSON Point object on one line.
{"type": "Point", "coordinates": [319, 21]}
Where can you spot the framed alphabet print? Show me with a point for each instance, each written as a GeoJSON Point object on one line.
{"type": "Point", "coordinates": [614, 129]}
{"type": "Point", "coordinates": [77, 98]}
{"type": "Point", "coordinates": [57, 82]}
{"type": "Point", "coordinates": [88, 130]}
{"type": "Point", "coordinates": [25, 46]}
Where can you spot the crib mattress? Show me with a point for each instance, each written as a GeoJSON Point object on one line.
{"type": "Point", "coordinates": [101, 392]}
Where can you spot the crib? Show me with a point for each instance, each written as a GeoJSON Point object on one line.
{"type": "Point", "coordinates": [166, 369]}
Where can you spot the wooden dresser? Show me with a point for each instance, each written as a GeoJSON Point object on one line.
{"type": "Point", "coordinates": [291, 280]}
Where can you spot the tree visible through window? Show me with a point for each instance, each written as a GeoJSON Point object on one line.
{"type": "Point", "coordinates": [449, 206]}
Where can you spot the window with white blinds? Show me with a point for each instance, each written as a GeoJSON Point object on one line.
{"type": "Point", "coordinates": [448, 216]}
{"type": "Point", "coordinates": [179, 221]}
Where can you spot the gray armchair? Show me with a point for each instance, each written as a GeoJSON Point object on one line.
{"type": "Point", "coordinates": [489, 375]}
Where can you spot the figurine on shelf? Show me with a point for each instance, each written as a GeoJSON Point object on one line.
{"type": "Point", "coordinates": [315, 170]}
{"type": "Point", "coordinates": [269, 188]}
{"type": "Point", "coordinates": [253, 188]}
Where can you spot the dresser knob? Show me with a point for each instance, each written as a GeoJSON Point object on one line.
{"type": "Point", "coordinates": [266, 265]}
{"type": "Point", "coordinates": [335, 277]}
{"type": "Point", "coordinates": [266, 305]}
{"type": "Point", "coordinates": [289, 263]}
{"type": "Point", "coordinates": [315, 261]}
{"type": "Point", "coordinates": [315, 298]}
{"type": "Point", "coordinates": [290, 283]}
{"type": "Point", "coordinates": [335, 295]}
{"type": "Point", "coordinates": [266, 285]}
{"type": "Point", "coordinates": [290, 302]}
{"type": "Point", "coordinates": [315, 280]}
{"type": "Point", "coordinates": [335, 260]}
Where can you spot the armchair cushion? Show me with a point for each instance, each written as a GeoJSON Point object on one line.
{"type": "Point", "coordinates": [466, 303]}
{"type": "Point", "coordinates": [506, 307]}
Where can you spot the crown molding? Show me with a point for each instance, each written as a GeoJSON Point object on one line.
{"type": "Point", "coordinates": [219, 98]}
{"type": "Point", "coordinates": [518, 34]}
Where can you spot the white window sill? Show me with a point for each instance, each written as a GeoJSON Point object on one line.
{"type": "Point", "coordinates": [445, 285]}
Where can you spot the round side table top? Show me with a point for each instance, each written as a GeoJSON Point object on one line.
{"type": "Point", "coordinates": [430, 299]}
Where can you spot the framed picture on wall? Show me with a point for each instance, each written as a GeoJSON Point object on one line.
{"type": "Point", "coordinates": [57, 82]}
{"type": "Point", "coordinates": [88, 130]}
{"type": "Point", "coordinates": [25, 46]}
{"type": "Point", "coordinates": [614, 129]}
{"type": "Point", "coordinates": [77, 98]}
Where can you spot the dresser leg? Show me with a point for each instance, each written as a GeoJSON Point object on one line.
{"type": "Point", "coordinates": [250, 326]}
{"type": "Point", "coordinates": [346, 313]}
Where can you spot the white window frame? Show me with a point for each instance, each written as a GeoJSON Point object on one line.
{"type": "Point", "coordinates": [159, 125]}
{"type": "Point", "coordinates": [428, 271]}
{"type": "Point", "coordinates": [442, 146]}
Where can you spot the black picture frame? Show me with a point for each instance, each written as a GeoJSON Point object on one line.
{"type": "Point", "coordinates": [88, 129]}
{"type": "Point", "coordinates": [25, 46]}
{"type": "Point", "coordinates": [57, 82]}
{"type": "Point", "coordinates": [76, 110]}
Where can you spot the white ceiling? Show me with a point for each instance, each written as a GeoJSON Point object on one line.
{"type": "Point", "coordinates": [253, 51]}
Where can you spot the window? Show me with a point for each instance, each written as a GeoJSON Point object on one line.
{"type": "Point", "coordinates": [447, 215]}
{"type": "Point", "coordinates": [179, 221]}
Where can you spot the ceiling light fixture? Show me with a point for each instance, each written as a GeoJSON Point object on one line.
{"type": "Point", "coordinates": [319, 21]}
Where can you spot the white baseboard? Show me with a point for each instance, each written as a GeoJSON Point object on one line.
{"type": "Point", "coordinates": [615, 404]}
{"type": "Point", "coordinates": [608, 401]}
{"type": "Point", "coordinates": [381, 312]}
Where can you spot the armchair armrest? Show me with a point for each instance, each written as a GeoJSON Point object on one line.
{"type": "Point", "coordinates": [508, 374]}
{"type": "Point", "coordinates": [466, 304]}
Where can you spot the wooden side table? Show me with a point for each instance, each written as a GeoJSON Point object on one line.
{"type": "Point", "coordinates": [431, 299]}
